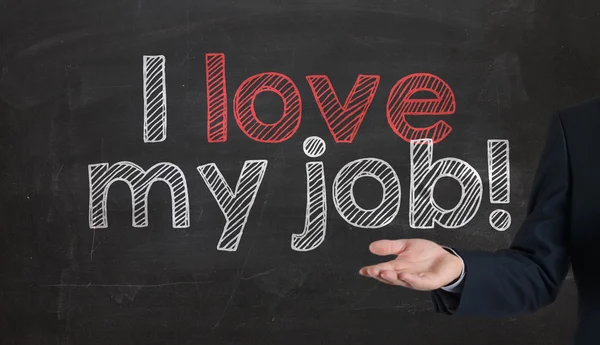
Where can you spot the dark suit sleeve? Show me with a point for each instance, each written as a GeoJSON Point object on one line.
{"type": "Point", "coordinates": [527, 275]}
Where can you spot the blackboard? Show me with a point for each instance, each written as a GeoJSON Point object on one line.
{"type": "Point", "coordinates": [197, 93]}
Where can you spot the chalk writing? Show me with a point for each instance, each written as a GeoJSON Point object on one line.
{"type": "Point", "coordinates": [343, 195]}
{"type": "Point", "coordinates": [500, 220]}
{"type": "Point", "coordinates": [498, 171]}
{"type": "Point", "coordinates": [424, 212]}
{"type": "Point", "coordinates": [234, 205]}
{"type": "Point", "coordinates": [401, 103]}
{"type": "Point", "coordinates": [216, 98]}
{"type": "Point", "coordinates": [344, 121]}
{"type": "Point", "coordinates": [246, 118]}
{"type": "Point", "coordinates": [315, 221]}
{"type": "Point", "coordinates": [101, 177]}
{"type": "Point", "coordinates": [418, 94]}
{"type": "Point", "coordinates": [155, 99]}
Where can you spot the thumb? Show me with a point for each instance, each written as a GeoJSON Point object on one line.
{"type": "Point", "coordinates": [388, 247]}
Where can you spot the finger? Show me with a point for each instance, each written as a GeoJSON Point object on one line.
{"type": "Point", "coordinates": [393, 278]}
{"type": "Point", "coordinates": [364, 271]}
{"type": "Point", "coordinates": [373, 270]}
{"type": "Point", "coordinates": [380, 279]}
{"type": "Point", "coordinates": [388, 247]}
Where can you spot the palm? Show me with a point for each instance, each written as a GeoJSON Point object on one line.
{"type": "Point", "coordinates": [419, 264]}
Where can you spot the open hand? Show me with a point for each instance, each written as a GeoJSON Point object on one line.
{"type": "Point", "coordinates": [419, 264]}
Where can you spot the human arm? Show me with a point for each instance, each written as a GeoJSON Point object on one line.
{"type": "Point", "coordinates": [527, 275]}
{"type": "Point", "coordinates": [522, 278]}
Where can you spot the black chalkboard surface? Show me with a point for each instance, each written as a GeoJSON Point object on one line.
{"type": "Point", "coordinates": [212, 172]}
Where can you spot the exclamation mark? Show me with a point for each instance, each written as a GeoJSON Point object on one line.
{"type": "Point", "coordinates": [499, 179]}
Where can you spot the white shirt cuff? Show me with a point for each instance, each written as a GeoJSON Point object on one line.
{"type": "Point", "coordinates": [456, 286]}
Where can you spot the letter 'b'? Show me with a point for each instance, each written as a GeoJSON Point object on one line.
{"type": "Point", "coordinates": [424, 173]}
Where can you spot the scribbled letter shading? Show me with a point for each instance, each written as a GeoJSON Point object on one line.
{"type": "Point", "coordinates": [155, 99]}
{"type": "Point", "coordinates": [402, 102]}
{"type": "Point", "coordinates": [343, 195]}
{"type": "Point", "coordinates": [343, 121]}
{"type": "Point", "coordinates": [234, 205]}
{"type": "Point", "coordinates": [101, 177]}
{"type": "Point", "coordinates": [424, 173]}
{"type": "Point", "coordinates": [246, 117]}
{"type": "Point", "coordinates": [216, 98]}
